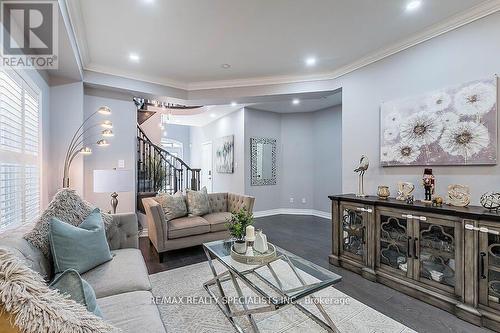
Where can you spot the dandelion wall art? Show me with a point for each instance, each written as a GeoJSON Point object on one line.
{"type": "Point", "coordinates": [224, 154]}
{"type": "Point", "coordinates": [455, 126]}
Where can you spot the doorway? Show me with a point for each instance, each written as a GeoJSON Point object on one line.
{"type": "Point", "coordinates": [206, 166]}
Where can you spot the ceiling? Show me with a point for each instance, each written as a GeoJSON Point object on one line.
{"type": "Point", "coordinates": [306, 104]}
{"type": "Point", "coordinates": [209, 113]}
{"type": "Point", "coordinates": [186, 42]}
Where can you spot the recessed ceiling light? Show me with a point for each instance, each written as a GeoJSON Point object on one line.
{"type": "Point", "coordinates": [234, 103]}
{"type": "Point", "coordinates": [134, 57]}
{"type": "Point", "coordinates": [213, 115]}
{"type": "Point", "coordinates": [412, 5]}
{"type": "Point", "coordinates": [311, 61]}
{"type": "Point", "coordinates": [148, 1]}
{"type": "Point", "coordinates": [295, 101]}
{"type": "Point", "coordinates": [225, 66]}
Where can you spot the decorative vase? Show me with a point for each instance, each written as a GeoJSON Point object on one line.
{"type": "Point", "coordinates": [260, 243]}
{"type": "Point", "coordinates": [383, 192]}
{"type": "Point", "coordinates": [240, 246]}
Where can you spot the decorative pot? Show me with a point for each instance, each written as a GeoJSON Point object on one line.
{"type": "Point", "coordinates": [240, 246]}
{"type": "Point", "coordinates": [491, 201]}
{"type": "Point", "coordinates": [383, 192]}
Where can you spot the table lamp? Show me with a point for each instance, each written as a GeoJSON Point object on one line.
{"type": "Point", "coordinates": [113, 180]}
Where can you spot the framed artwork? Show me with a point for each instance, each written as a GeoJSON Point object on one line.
{"type": "Point", "coordinates": [453, 126]}
{"type": "Point", "coordinates": [224, 154]}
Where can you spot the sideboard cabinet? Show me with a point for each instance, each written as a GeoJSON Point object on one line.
{"type": "Point", "coordinates": [446, 256]}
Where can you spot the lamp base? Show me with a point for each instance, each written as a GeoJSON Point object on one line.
{"type": "Point", "coordinates": [114, 201]}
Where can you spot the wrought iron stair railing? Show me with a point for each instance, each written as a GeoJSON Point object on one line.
{"type": "Point", "coordinates": [159, 171]}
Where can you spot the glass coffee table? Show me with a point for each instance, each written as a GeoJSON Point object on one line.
{"type": "Point", "coordinates": [287, 279]}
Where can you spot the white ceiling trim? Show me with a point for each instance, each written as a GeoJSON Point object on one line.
{"type": "Point", "coordinates": [473, 14]}
{"type": "Point", "coordinates": [73, 10]}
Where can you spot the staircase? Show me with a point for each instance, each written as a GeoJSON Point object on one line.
{"type": "Point", "coordinates": [158, 171]}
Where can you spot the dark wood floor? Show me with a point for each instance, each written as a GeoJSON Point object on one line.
{"type": "Point", "coordinates": [309, 237]}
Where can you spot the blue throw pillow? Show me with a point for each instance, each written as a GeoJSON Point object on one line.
{"type": "Point", "coordinates": [70, 283]}
{"type": "Point", "coordinates": [80, 248]}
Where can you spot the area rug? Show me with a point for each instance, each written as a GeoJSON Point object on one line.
{"type": "Point", "coordinates": [184, 306]}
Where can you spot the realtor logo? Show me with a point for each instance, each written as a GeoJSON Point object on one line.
{"type": "Point", "coordinates": [29, 34]}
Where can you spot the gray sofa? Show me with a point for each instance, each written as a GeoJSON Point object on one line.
{"type": "Point", "coordinates": [122, 285]}
{"type": "Point", "coordinates": [193, 230]}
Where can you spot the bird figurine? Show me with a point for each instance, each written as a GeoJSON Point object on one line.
{"type": "Point", "coordinates": [364, 163]}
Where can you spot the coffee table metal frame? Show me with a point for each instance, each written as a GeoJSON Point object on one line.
{"type": "Point", "coordinates": [233, 275]}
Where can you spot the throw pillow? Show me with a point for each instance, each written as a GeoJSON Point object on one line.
{"type": "Point", "coordinates": [34, 307]}
{"type": "Point", "coordinates": [174, 206]}
{"type": "Point", "coordinates": [67, 206]}
{"type": "Point", "coordinates": [198, 202]}
{"type": "Point", "coordinates": [70, 283]}
{"type": "Point", "coordinates": [81, 248]}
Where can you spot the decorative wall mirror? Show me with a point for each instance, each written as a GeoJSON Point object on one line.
{"type": "Point", "coordinates": [263, 161]}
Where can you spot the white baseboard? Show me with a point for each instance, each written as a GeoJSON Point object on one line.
{"type": "Point", "coordinates": [293, 211]}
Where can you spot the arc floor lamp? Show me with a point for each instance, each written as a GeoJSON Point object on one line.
{"type": "Point", "coordinates": [77, 143]}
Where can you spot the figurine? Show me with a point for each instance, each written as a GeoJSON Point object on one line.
{"type": "Point", "coordinates": [364, 163]}
{"type": "Point", "coordinates": [260, 243]}
{"type": "Point", "coordinates": [458, 195]}
{"type": "Point", "coordinates": [437, 201]}
{"type": "Point", "coordinates": [405, 190]}
{"type": "Point", "coordinates": [429, 183]}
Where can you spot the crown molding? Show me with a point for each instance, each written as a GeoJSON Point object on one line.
{"type": "Point", "coordinates": [73, 10]}
{"type": "Point", "coordinates": [475, 13]}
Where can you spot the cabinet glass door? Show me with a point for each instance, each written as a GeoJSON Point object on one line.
{"type": "Point", "coordinates": [394, 242]}
{"type": "Point", "coordinates": [353, 226]}
{"type": "Point", "coordinates": [436, 252]}
{"type": "Point", "coordinates": [489, 268]}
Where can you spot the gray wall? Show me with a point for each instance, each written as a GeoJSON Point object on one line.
{"type": "Point", "coordinates": [230, 124]}
{"type": "Point", "coordinates": [66, 115]}
{"type": "Point", "coordinates": [327, 151]}
{"type": "Point", "coordinates": [309, 158]}
{"type": "Point", "coordinates": [122, 146]}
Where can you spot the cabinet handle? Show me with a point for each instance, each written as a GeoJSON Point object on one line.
{"type": "Point", "coordinates": [408, 240]}
{"type": "Point", "coordinates": [363, 235]}
{"type": "Point", "coordinates": [360, 209]}
{"type": "Point", "coordinates": [415, 247]}
{"type": "Point", "coordinates": [369, 210]}
{"type": "Point", "coordinates": [422, 218]}
{"type": "Point", "coordinates": [481, 264]}
{"type": "Point", "coordinates": [407, 216]}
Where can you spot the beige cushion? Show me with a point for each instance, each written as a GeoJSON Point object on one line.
{"type": "Point", "coordinates": [187, 226]}
{"type": "Point", "coordinates": [197, 202]}
{"type": "Point", "coordinates": [174, 206]}
{"type": "Point", "coordinates": [218, 202]}
{"type": "Point", "coordinates": [132, 312]}
{"type": "Point", "coordinates": [218, 221]}
{"type": "Point", "coordinates": [126, 272]}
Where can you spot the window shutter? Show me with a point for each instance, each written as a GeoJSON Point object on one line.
{"type": "Point", "coordinates": [19, 151]}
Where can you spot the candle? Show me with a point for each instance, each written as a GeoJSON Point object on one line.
{"type": "Point", "coordinates": [250, 232]}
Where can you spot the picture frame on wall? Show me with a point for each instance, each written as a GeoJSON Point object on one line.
{"type": "Point", "coordinates": [224, 154]}
{"type": "Point", "coordinates": [452, 126]}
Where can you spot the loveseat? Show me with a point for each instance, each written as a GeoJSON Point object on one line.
{"type": "Point", "coordinates": [193, 230]}
{"type": "Point", "coordinates": [122, 285]}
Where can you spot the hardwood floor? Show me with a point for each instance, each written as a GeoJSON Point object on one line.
{"type": "Point", "coordinates": [309, 237]}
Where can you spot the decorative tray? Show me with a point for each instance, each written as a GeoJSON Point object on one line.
{"type": "Point", "coordinates": [253, 257]}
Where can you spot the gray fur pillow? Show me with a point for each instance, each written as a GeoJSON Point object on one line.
{"type": "Point", "coordinates": [35, 307]}
{"type": "Point", "coordinates": [173, 206]}
{"type": "Point", "coordinates": [67, 206]}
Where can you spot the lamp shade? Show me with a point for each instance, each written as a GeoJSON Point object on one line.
{"type": "Point", "coordinates": [106, 181]}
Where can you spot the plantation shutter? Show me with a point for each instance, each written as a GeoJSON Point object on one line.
{"type": "Point", "coordinates": [19, 151]}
